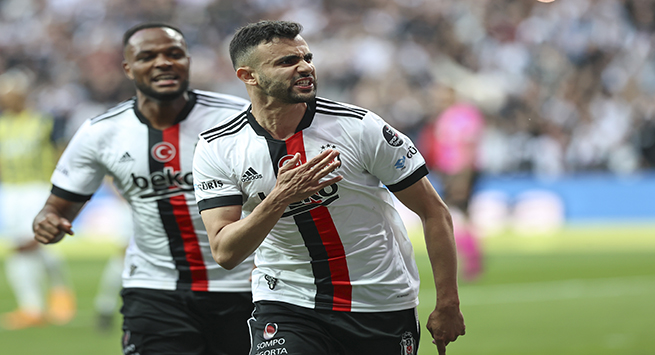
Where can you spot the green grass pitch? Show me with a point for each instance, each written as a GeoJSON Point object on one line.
{"type": "Point", "coordinates": [585, 290]}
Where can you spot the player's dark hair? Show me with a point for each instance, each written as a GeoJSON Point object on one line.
{"type": "Point", "coordinates": [142, 26]}
{"type": "Point", "coordinates": [253, 34]}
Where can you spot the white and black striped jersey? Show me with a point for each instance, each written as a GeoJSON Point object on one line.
{"type": "Point", "coordinates": [151, 169]}
{"type": "Point", "coordinates": [344, 248]}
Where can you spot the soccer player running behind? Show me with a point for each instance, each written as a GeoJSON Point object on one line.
{"type": "Point", "coordinates": [176, 299]}
{"type": "Point", "coordinates": [28, 151]}
{"type": "Point", "coordinates": [335, 270]}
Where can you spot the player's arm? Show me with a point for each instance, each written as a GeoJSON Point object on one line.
{"type": "Point", "coordinates": [446, 322]}
{"type": "Point", "coordinates": [54, 220]}
{"type": "Point", "coordinates": [233, 239]}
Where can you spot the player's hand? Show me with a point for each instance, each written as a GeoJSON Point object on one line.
{"type": "Point", "coordinates": [49, 228]}
{"type": "Point", "coordinates": [445, 325]}
{"type": "Point", "coordinates": [299, 181]}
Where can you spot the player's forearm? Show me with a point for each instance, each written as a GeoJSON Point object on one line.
{"type": "Point", "coordinates": [61, 207]}
{"type": "Point", "coordinates": [239, 239]}
{"type": "Point", "coordinates": [442, 252]}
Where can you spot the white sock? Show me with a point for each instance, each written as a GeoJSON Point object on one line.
{"type": "Point", "coordinates": [25, 274]}
{"type": "Point", "coordinates": [55, 267]}
{"type": "Point", "coordinates": [106, 300]}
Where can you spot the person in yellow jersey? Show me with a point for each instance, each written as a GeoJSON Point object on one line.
{"type": "Point", "coordinates": [27, 158]}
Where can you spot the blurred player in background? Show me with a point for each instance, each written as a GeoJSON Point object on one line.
{"type": "Point", "coordinates": [450, 147]}
{"type": "Point", "coordinates": [27, 156]}
{"type": "Point", "coordinates": [176, 299]}
{"type": "Point", "coordinates": [106, 302]}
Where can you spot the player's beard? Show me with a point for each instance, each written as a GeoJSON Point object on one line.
{"type": "Point", "coordinates": [162, 96]}
{"type": "Point", "coordinates": [283, 92]}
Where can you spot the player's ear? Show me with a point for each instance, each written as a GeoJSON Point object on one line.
{"type": "Point", "coordinates": [246, 74]}
{"type": "Point", "coordinates": [127, 70]}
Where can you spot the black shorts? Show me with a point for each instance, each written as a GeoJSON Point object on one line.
{"type": "Point", "coordinates": [282, 328]}
{"type": "Point", "coordinates": [158, 322]}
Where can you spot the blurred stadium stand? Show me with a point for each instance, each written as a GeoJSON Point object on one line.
{"type": "Point", "coordinates": [566, 87]}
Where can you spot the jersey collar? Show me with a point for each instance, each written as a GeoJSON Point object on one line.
{"type": "Point", "coordinates": [180, 117]}
{"type": "Point", "coordinates": [306, 121]}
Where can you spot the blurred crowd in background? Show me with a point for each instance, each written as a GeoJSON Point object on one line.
{"type": "Point", "coordinates": [564, 87]}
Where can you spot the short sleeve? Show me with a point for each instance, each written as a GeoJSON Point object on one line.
{"type": "Point", "coordinates": [212, 182]}
{"type": "Point", "coordinates": [390, 155]}
{"type": "Point", "coordinates": [79, 173]}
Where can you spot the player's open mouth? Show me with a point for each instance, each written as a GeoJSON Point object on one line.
{"type": "Point", "coordinates": [165, 79]}
{"type": "Point", "coordinates": [305, 83]}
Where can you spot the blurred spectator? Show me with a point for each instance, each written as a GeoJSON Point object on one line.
{"type": "Point", "coordinates": [27, 158]}
{"type": "Point", "coordinates": [572, 69]}
{"type": "Point", "coordinates": [450, 145]}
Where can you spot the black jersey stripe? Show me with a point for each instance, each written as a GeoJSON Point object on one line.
{"type": "Point", "coordinates": [233, 122]}
{"type": "Point", "coordinates": [339, 107]}
{"type": "Point", "coordinates": [319, 234]}
{"type": "Point", "coordinates": [183, 220]}
{"type": "Point", "coordinates": [232, 127]}
{"type": "Point", "coordinates": [226, 133]}
{"type": "Point", "coordinates": [115, 111]}
{"type": "Point", "coordinates": [276, 150]}
{"type": "Point", "coordinates": [324, 298]}
{"type": "Point", "coordinates": [167, 215]}
{"type": "Point", "coordinates": [311, 237]}
{"type": "Point", "coordinates": [218, 99]}
{"type": "Point", "coordinates": [209, 103]}
{"type": "Point", "coordinates": [337, 113]}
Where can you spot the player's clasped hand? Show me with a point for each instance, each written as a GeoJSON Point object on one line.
{"type": "Point", "coordinates": [51, 228]}
{"type": "Point", "coordinates": [302, 180]}
{"type": "Point", "coordinates": [445, 326]}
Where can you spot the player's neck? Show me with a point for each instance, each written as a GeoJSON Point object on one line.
{"type": "Point", "coordinates": [280, 120]}
{"type": "Point", "coordinates": [161, 114]}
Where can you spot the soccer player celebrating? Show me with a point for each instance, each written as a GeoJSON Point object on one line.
{"type": "Point", "coordinates": [335, 270]}
{"type": "Point", "coordinates": [176, 299]}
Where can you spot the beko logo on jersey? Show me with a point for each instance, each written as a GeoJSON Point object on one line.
{"type": "Point", "coordinates": [165, 183]}
{"type": "Point", "coordinates": [163, 152]}
{"type": "Point", "coordinates": [167, 177]}
{"type": "Point", "coordinates": [324, 197]}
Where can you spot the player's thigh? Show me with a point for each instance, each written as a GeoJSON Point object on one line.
{"type": "Point", "coordinates": [158, 322]}
{"type": "Point", "coordinates": [225, 321]}
{"type": "Point", "coordinates": [137, 343]}
{"type": "Point", "coordinates": [276, 329]}
{"type": "Point", "coordinates": [383, 333]}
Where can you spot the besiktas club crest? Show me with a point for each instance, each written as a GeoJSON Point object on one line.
{"type": "Point", "coordinates": [407, 346]}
